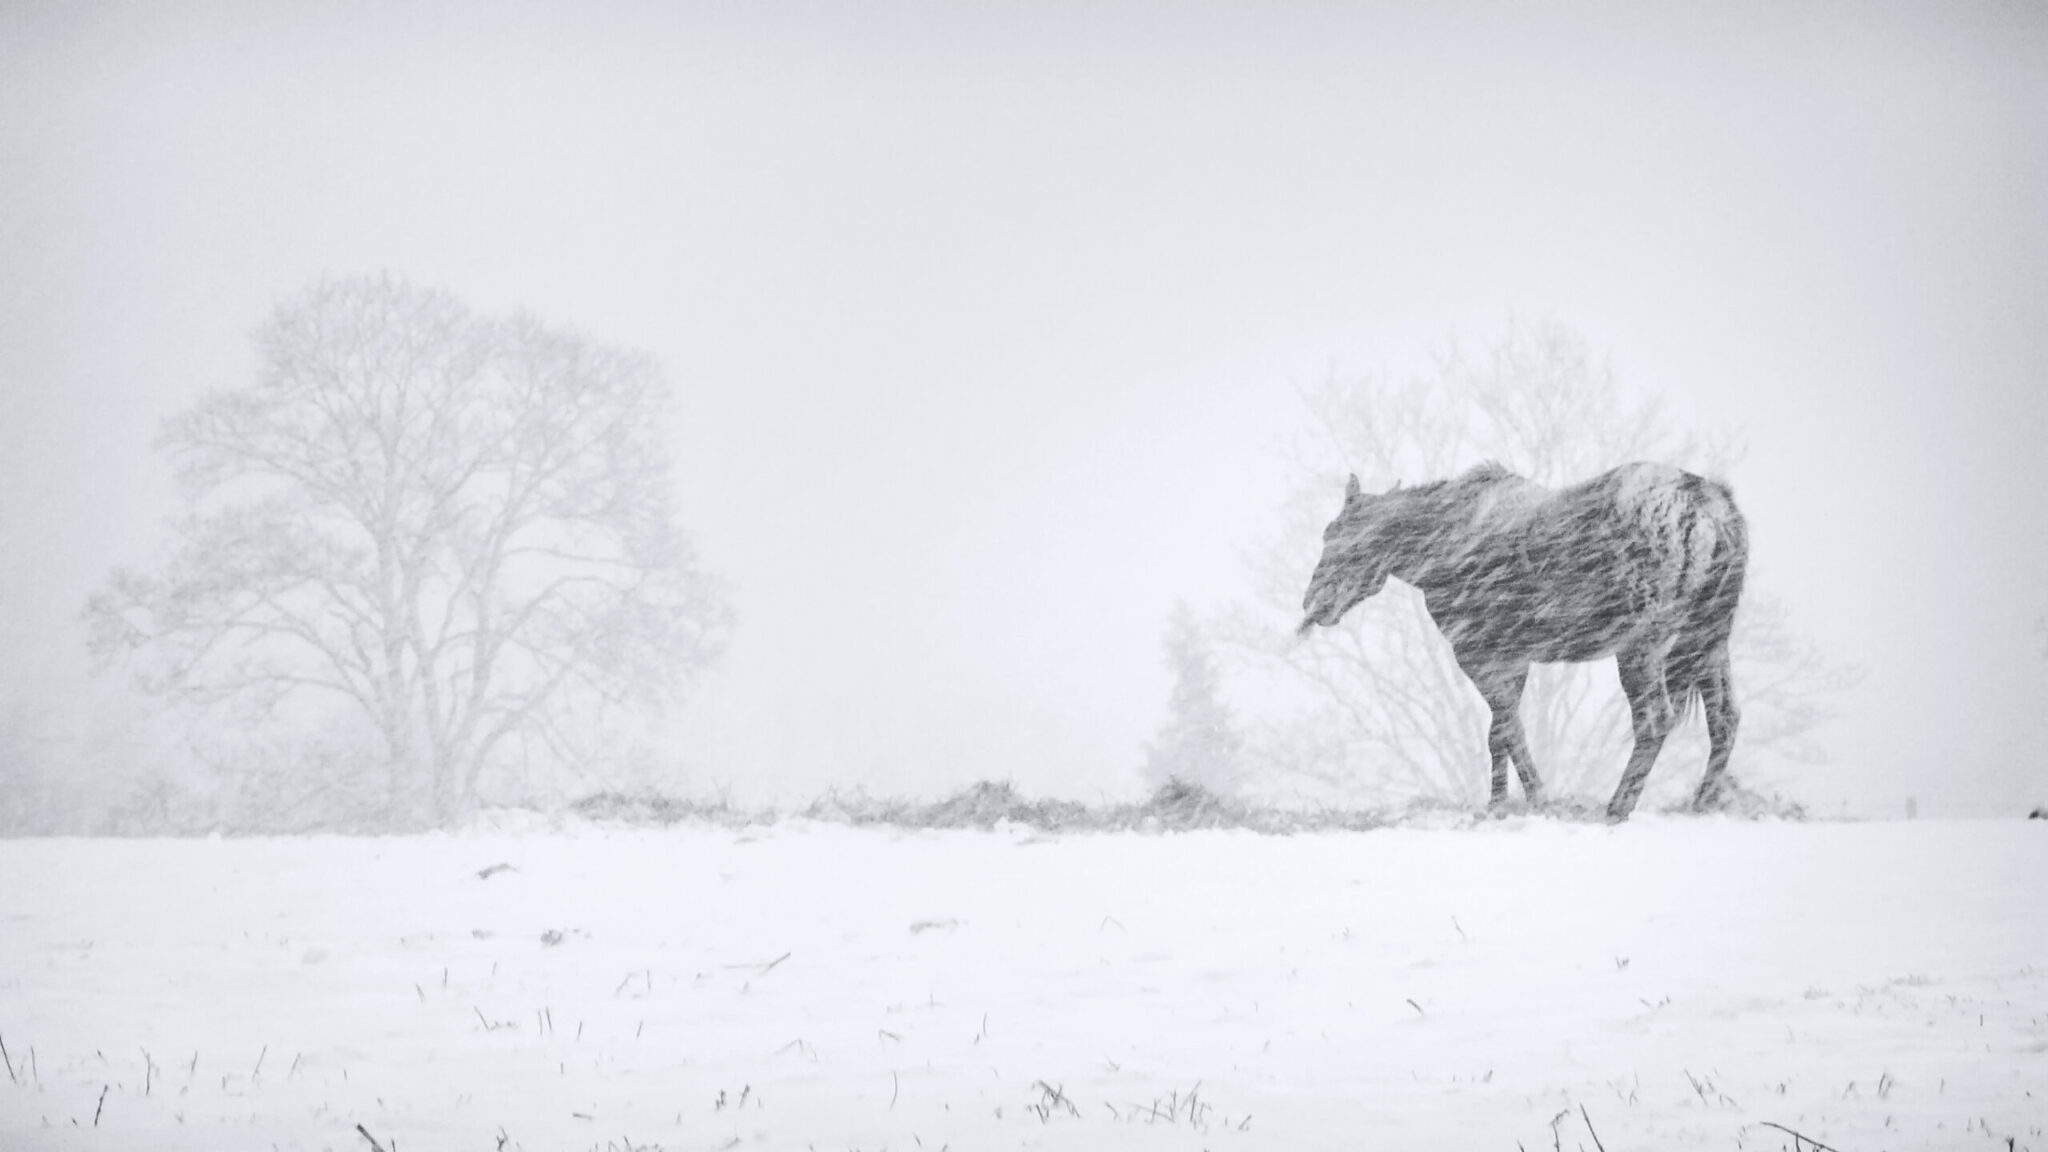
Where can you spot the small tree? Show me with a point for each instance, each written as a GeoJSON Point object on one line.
{"type": "Point", "coordinates": [449, 533]}
{"type": "Point", "coordinates": [25, 801]}
{"type": "Point", "coordinates": [1380, 703]}
{"type": "Point", "coordinates": [1199, 743]}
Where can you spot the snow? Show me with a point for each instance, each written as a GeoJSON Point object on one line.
{"type": "Point", "coordinates": [1683, 981]}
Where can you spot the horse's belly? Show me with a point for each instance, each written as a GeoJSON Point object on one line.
{"type": "Point", "coordinates": [1540, 637]}
{"type": "Point", "coordinates": [1576, 649]}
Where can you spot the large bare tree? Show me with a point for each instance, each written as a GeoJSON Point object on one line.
{"type": "Point", "coordinates": [1380, 706]}
{"type": "Point", "coordinates": [453, 532]}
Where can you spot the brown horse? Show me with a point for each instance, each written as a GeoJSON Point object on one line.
{"type": "Point", "coordinates": [1644, 563]}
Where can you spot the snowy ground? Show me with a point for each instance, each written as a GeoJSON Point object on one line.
{"type": "Point", "coordinates": [1676, 982]}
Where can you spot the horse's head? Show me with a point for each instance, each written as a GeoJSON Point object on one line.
{"type": "Point", "coordinates": [1354, 563]}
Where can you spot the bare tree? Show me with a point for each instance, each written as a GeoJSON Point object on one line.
{"type": "Point", "coordinates": [1380, 705]}
{"type": "Point", "coordinates": [1199, 742]}
{"type": "Point", "coordinates": [454, 529]}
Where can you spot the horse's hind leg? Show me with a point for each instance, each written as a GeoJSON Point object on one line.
{"type": "Point", "coordinates": [1653, 713]}
{"type": "Point", "coordinates": [1717, 698]}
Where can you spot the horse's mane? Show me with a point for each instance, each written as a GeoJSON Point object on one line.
{"type": "Point", "coordinates": [1486, 472]}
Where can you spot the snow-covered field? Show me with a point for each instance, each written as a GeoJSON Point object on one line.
{"type": "Point", "coordinates": [1672, 982]}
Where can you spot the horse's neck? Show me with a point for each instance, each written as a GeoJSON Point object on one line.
{"type": "Point", "coordinates": [1422, 524]}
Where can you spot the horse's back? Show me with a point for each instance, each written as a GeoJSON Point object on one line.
{"type": "Point", "coordinates": [1575, 573]}
{"type": "Point", "coordinates": [1657, 500]}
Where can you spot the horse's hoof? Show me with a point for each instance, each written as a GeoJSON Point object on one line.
{"type": "Point", "coordinates": [1616, 817]}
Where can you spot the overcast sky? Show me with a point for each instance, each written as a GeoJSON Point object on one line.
{"type": "Point", "coordinates": [985, 319]}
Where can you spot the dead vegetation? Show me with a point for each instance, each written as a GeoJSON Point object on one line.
{"type": "Point", "coordinates": [1176, 806]}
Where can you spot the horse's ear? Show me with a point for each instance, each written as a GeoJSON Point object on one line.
{"type": "Point", "coordinates": [1351, 489]}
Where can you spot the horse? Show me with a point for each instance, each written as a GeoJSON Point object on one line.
{"type": "Point", "coordinates": [1644, 563]}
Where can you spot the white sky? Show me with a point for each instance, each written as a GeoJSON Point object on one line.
{"type": "Point", "coordinates": [986, 318]}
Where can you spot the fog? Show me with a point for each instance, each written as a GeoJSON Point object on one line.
{"type": "Point", "coordinates": [987, 325]}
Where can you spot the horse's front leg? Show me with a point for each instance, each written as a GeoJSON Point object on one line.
{"type": "Point", "coordinates": [1499, 747]}
{"type": "Point", "coordinates": [1501, 686]}
{"type": "Point", "coordinates": [1525, 766]}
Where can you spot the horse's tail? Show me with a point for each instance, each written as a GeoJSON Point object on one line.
{"type": "Point", "coordinates": [1715, 562]}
